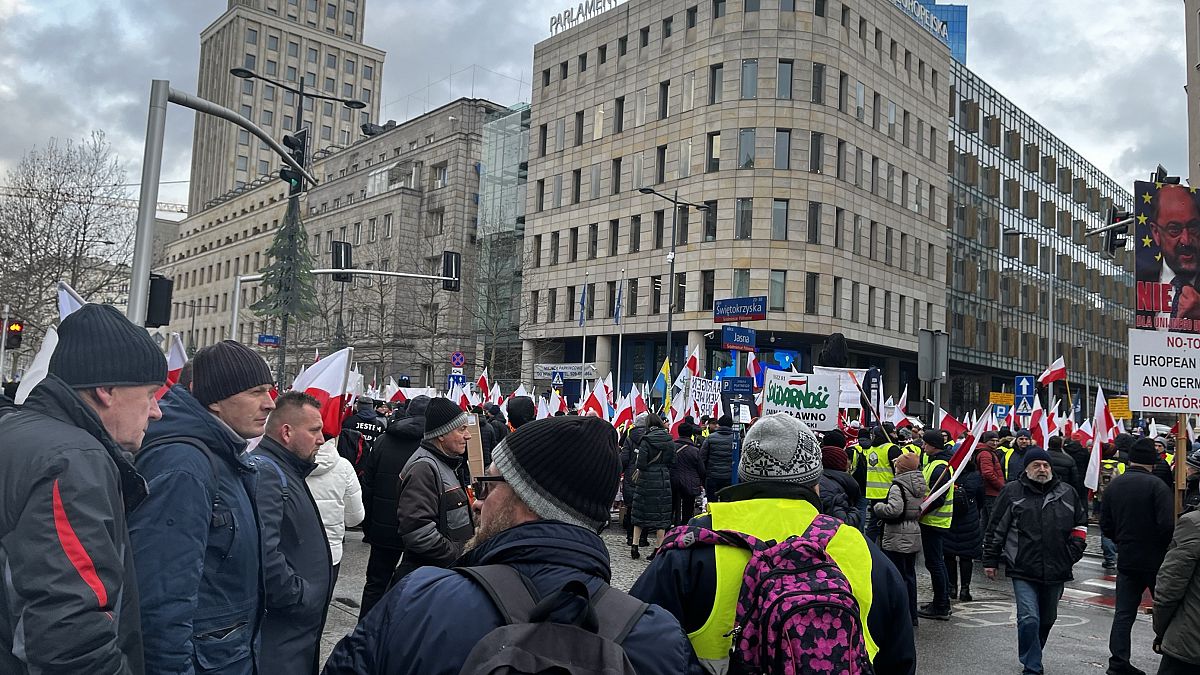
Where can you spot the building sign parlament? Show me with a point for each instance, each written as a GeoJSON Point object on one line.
{"type": "Point", "coordinates": [578, 13]}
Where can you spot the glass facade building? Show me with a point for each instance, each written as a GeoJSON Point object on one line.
{"type": "Point", "coordinates": [955, 17]}
{"type": "Point", "coordinates": [1019, 207]}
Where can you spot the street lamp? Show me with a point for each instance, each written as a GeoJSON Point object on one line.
{"type": "Point", "coordinates": [676, 203]}
{"type": "Point", "coordinates": [247, 74]}
{"type": "Point", "coordinates": [193, 305]}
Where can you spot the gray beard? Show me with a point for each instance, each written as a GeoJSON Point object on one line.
{"type": "Point", "coordinates": [497, 524]}
{"type": "Point", "coordinates": [1041, 481]}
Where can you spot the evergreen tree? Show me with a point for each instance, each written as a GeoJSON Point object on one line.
{"type": "Point", "coordinates": [288, 280]}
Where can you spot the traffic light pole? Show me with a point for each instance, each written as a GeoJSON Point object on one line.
{"type": "Point", "coordinates": [4, 342]}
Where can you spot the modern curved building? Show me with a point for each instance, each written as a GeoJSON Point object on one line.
{"type": "Point", "coordinates": [815, 133]}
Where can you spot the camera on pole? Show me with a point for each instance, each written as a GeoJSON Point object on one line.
{"type": "Point", "coordinates": [297, 145]}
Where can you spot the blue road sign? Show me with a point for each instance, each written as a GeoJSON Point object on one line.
{"type": "Point", "coordinates": [1024, 391]}
{"type": "Point", "coordinates": [458, 360]}
{"type": "Point", "coordinates": [268, 340]}
{"type": "Point", "coordinates": [737, 385]}
{"type": "Point", "coordinates": [1000, 410]}
{"type": "Point", "coordinates": [737, 338]}
{"type": "Point", "coordinates": [556, 378]}
{"type": "Point", "coordinates": [731, 310]}
{"type": "Point", "coordinates": [452, 380]}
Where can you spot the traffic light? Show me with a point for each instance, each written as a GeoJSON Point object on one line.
{"type": "Point", "coordinates": [343, 259]}
{"type": "Point", "coordinates": [13, 333]}
{"type": "Point", "coordinates": [297, 145]}
{"type": "Point", "coordinates": [1114, 239]}
{"type": "Point", "coordinates": [451, 267]}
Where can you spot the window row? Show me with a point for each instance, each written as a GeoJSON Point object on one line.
{"type": "Point", "coordinates": [373, 230]}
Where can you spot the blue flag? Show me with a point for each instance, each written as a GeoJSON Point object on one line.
{"type": "Point", "coordinates": [617, 307]}
{"type": "Point", "coordinates": [582, 305]}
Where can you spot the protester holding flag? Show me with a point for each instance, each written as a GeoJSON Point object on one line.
{"type": "Point", "coordinates": [935, 524]}
{"type": "Point", "coordinates": [963, 542]}
{"type": "Point", "coordinates": [200, 512]}
{"type": "Point", "coordinates": [69, 596]}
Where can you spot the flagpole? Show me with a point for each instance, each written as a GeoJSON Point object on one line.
{"type": "Point", "coordinates": [346, 373]}
{"type": "Point", "coordinates": [583, 334]}
{"type": "Point", "coordinates": [621, 334]}
{"type": "Point", "coordinates": [1070, 400]}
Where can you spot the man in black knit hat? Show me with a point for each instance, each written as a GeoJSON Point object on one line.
{"type": "Point", "coordinates": [433, 510]}
{"type": "Point", "coordinates": [540, 504]}
{"type": "Point", "coordinates": [69, 599]}
{"type": "Point", "coordinates": [196, 538]}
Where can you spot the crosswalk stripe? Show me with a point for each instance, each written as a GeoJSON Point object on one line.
{"type": "Point", "coordinates": [1101, 583]}
{"type": "Point", "coordinates": [1078, 594]}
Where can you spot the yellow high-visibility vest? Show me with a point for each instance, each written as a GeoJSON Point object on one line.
{"type": "Point", "coordinates": [879, 471]}
{"type": "Point", "coordinates": [942, 516]}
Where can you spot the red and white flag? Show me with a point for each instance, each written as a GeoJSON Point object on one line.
{"type": "Point", "coordinates": [557, 403]}
{"type": "Point", "coordinates": [960, 460]}
{"type": "Point", "coordinates": [1101, 433]}
{"type": "Point", "coordinates": [1038, 429]}
{"type": "Point", "coordinates": [485, 388]}
{"type": "Point", "coordinates": [754, 368]}
{"type": "Point", "coordinates": [636, 402]}
{"type": "Point", "coordinates": [947, 422]}
{"type": "Point", "coordinates": [393, 393]}
{"type": "Point", "coordinates": [624, 415]}
{"type": "Point", "coordinates": [900, 412]}
{"type": "Point", "coordinates": [595, 401]}
{"type": "Point", "coordinates": [176, 360]}
{"type": "Point", "coordinates": [327, 381]}
{"type": "Point", "coordinates": [543, 410]}
{"type": "Point", "coordinates": [1056, 371]}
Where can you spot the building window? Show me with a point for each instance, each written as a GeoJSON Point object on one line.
{"type": "Point", "coordinates": [555, 241]}
{"type": "Point", "coordinates": [660, 164]}
{"type": "Point", "coordinates": [816, 149]}
{"type": "Point", "coordinates": [783, 83]}
{"type": "Point", "coordinates": [680, 300]}
{"type": "Point", "coordinates": [602, 53]}
{"type": "Point", "coordinates": [681, 225]}
{"type": "Point", "coordinates": [841, 160]}
{"type": "Point", "coordinates": [583, 62]}
{"type": "Point", "coordinates": [819, 8]}
{"type": "Point", "coordinates": [707, 290]}
{"type": "Point", "coordinates": [749, 78]}
{"type": "Point", "coordinates": [593, 241]}
{"type": "Point", "coordinates": [860, 101]}
{"type": "Point", "coordinates": [576, 185]}
{"type": "Point", "coordinates": [690, 22]}
{"type": "Point", "coordinates": [710, 221]}
{"type": "Point", "coordinates": [854, 296]}
{"type": "Point", "coordinates": [632, 298]}
{"type": "Point", "coordinates": [387, 226]}
{"type": "Point", "coordinates": [814, 222]}
{"type": "Point", "coordinates": [251, 36]}
{"type": "Point", "coordinates": [578, 129]}
{"type": "Point", "coordinates": [718, 9]}
{"type": "Point", "coordinates": [552, 304]}
{"type": "Point", "coordinates": [839, 222]}
{"type": "Point", "coordinates": [818, 83]}
{"type": "Point", "coordinates": [741, 282]}
{"type": "Point", "coordinates": [746, 149]}
{"type": "Point", "coordinates": [656, 295]}
{"type": "Point", "coordinates": [812, 282]}
{"type": "Point", "coordinates": [685, 158]}
{"type": "Point", "coordinates": [666, 27]}
{"type": "Point", "coordinates": [837, 297]}
{"type": "Point", "coordinates": [712, 152]}
{"type": "Point", "coordinates": [616, 176]}
{"type": "Point", "coordinates": [573, 245]}
{"type": "Point", "coordinates": [660, 219]}
{"type": "Point", "coordinates": [783, 148]}
{"type": "Point", "coordinates": [779, 219]}
{"type": "Point", "coordinates": [644, 38]}
{"type": "Point", "coordinates": [787, 5]}
{"type": "Point", "coordinates": [664, 99]}
{"type": "Point", "coordinates": [777, 290]}
{"type": "Point", "coordinates": [614, 233]}
{"type": "Point", "coordinates": [619, 115]}
{"type": "Point", "coordinates": [533, 307]}
{"type": "Point", "coordinates": [716, 82]}
{"type": "Point", "coordinates": [622, 45]}
{"type": "Point", "coordinates": [539, 195]}
{"type": "Point", "coordinates": [751, 5]}
{"type": "Point", "coordinates": [635, 234]}
{"type": "Point", "coordinates": [742, 228]}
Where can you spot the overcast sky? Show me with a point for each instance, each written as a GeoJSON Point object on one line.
{"type": "Point", "coordinates": [1106, 77]}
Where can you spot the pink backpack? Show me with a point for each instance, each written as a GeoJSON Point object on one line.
{"type": "Point", "coordinates": [796, 612]}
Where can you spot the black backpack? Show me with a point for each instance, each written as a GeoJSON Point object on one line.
{"type": "Point", "coordinates": [528, 642]}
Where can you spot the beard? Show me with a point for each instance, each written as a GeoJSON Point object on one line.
{"type": "Point", "coordinates": [1040, 480]}
{"type": "Point", "coordinates": [503, 519]}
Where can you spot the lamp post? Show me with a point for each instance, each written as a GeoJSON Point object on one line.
{"type": "Point", "coordinates": [675, 204]}
{"type": "Point", "coordinates": [247, 74]}
{"type": "Point", "coordinates": [192, 305]}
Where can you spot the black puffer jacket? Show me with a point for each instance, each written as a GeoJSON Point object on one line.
{"type": "Point", "coordinates": [1040, 531]}
{"type": "Point", "coordinates": [965, 536]}
{"type": "Point", "coordinates": [687, 473]}
{"type": "Point", "coordinates": [381, 479]}
{"type": "Point", "coordinates": [1081, 456]}
{"type": "Point", "coordinates": [652, 505]}
{"type": "Point", "coordinates": [717, 453]}
{"type": "Point", "coordinates": [1138, 514]}
{"type": "Point", "coordinates": [629, 456]}
{"type": "Point", "coordinates": [1064, 467]}
{"type": "Point", "coordinates": [835, 502]}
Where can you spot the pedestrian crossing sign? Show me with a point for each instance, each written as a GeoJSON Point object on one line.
{"type": "Point", "coordinates": [556, 379]}
{"type": "Point", "coordinates": [1024, 408]}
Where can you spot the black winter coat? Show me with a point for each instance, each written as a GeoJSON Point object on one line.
{"type": "Point", "coordinates": [652, 505]}
{"type": "Point", "coordinates": [58, 461]}
{"type": "Point", "coordinates": [1081, 456]}
{"type": "Point", "coordinates": [835, 502]}
{"type": "Point", "coordinates": [297, 566]}
{"type": "Point", "coordinates": [381, 480]}
{"type": "Point", "coordinates": [366, 422]}
{"type": "Point", "coordinates": [1137, 513]}
{"type": "Point", "coordinates": [1040, 531]}
{"type": "Point", "coordinates": [435, 519]}
{"type": "Point", "coordinates": [965, 536]}
{"type": "Point", "coordinates": [717, 453]}
{"type": "Point", "coordinates": [629, 456]}
{"type": "Point", "coordinates": [1064, 467]}
{"type": "Point", "coordinates": [428, 623]}
{"type": "Point", "coordinates": [687, 473]}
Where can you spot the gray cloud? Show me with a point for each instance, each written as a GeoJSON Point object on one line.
{"type": "Point", "coordinates": [72, 66]}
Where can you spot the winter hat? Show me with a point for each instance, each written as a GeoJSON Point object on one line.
{"type": "Point", "coordinates": [780, 447]}
{"type": "Point", "coordinates": [418, 406]}
{"type": "Point", "coordinates": [641, 419]}
{"type": "Point", "coordinates": [686, 430]}
{"type": "Point", "coordinates": [1035, 454]}
{"type": "Point", "coordinates": [725, 421]}
{"type": "Point", "coordinates": [1024, 433]}
{"type": "Point", "coordinates": [1193, 459]}
{"type": "Point", "coordinates": [226, 369]}
{"type": "Point", "coordinates": [834, 457]}
{"type": "Point", "coordinates": [933, 438]}
{"type": "Point", "coordinates": [495, 411]}
{"type": "Point", "coordinates": [907, 461]}
{"type": "Point", "coordinates": [99, 347]}
{"type": "Point", "coordinates": [1143, 452]}
{"type": "Point", "coordinates": [521, 410]}
{"type": "Point", "coordinates": [441, 417]}
{"type": "Point", "coordinates": [563, 468]}
{"type": "Point", "coordinates": [834, 438]}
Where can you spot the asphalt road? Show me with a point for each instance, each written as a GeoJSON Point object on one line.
{"type": "Point", "coordinates": [980, 637]}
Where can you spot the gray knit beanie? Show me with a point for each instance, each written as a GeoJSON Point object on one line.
{"type": "Point", "coordinates": [780, 447]}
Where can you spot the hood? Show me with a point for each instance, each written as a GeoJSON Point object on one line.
{"type": "Point", "coordinates": [915, 482]}
{"type": "Point", "coordinates": [327, 457]}
{"type": "Point", "coordinates": [544, 542]}
{"type": "Point", "coordinates": [408, 429]}
{"type": "Point", "coordinates": [182, 415]}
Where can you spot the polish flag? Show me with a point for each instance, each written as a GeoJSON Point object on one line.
{"type": "Point", "coordinates": [393, 393]}
{"type": "Point", "coordinates": [494, 395]}
{"type": "Point", "coordinates": [595, 402]}
{"type": "Point", "coordinates": [608, 389]}
{"type": "Point", "coordinates": [1010, 420]}
{"type": "Point", "coordinates": [624, 415]}
{"type": "Point", "coordinates": [754, 368]}
{"type": "Point", "coordinates": [485, 388]}
{"type": "Point", "coordinates": [557, 403]}
{"type": "Point", "coordinates": [1100, 434]}
{"type": "Point", "coordinates": [678, 411]}
{"type": "Point", "coordinates": [636, 402]}
{"type": "Point", "coordinates": [327, 381]}
{"type": "Point", "coordinates": [1038, 428]}
{"type": "Point", "coordinates": [519, 392]}
{"type": "Point", "coordinates": [960, 460]}
{"type": "Point", "coordinates": [176, 359]}
{"type": "Point", "coordinates": [457, 395]}
{"type": "Point", "coordinates": [948, 422]}
{"type": "Point", "coordinates": [1056, 371]}
{"type": "Point", "coordinates": [543, 410]}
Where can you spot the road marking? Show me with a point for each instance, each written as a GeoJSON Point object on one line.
{"type": "Point", "coordinates": [1078, 594]}
{"type": "Point", "coordinates": [1088, 561]}
{"type": "Point", "coordinates": [989, 614]}
{"type": "Point", "coordinates": [1101, 583]}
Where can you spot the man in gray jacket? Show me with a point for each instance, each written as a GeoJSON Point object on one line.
{"type": "Point", "coordinates": [1177, 601]}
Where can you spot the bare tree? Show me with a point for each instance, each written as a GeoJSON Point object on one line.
{"type": "Point", "coordinates": [62, 218]}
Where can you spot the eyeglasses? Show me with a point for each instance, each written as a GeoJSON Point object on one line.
{"type": "Point", "coordinates": [482, 485]}
{"type": "Point", "coordinates": [1174, 230]}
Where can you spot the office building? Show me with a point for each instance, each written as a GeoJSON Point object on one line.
{"type": "Point", "coordinates": [317, 45]}
{"type": "Point", "coordinates": [1020, 205]}
{"type": "Point", "coordinates": [955, 18]}
{"type": "Point", "coordinates": [813, 132]}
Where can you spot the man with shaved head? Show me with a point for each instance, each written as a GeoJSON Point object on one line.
{"type": "Point", "coordinates": [296, 562]}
